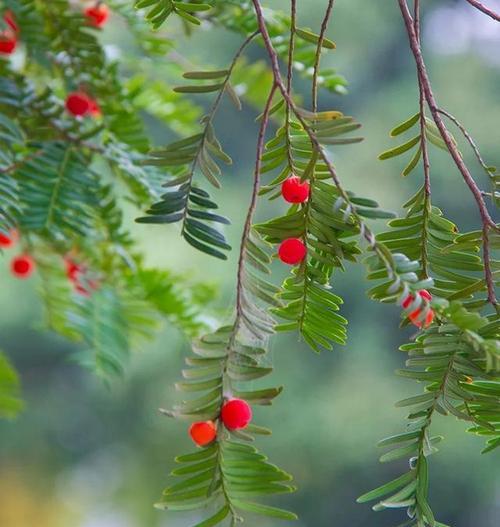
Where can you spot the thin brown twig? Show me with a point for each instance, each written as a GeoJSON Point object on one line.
{"type": "Point", "coordinates": [484, 9]}
{"type": "Point", "coordinates": [289, 79]}
{"type": "Point", "coordinates": [434, 108]}
{"type": "Point", "coordinates": [487, 221]}
{"type": "Point", "coordinates": [291, 45]}
{"type": "Point", "coordinates": [467, 136]}
{"type": "Point", "coordinates": [425, 151]}
{"type": "Point", "coordinates": [317, 59]}
{"type": "Point", "coordinates": [416, 17]}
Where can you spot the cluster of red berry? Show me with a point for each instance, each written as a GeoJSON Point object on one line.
{"type": "Point", "coordinates": [416, 315]}
{"type": "Point", "coordinates": [292, 251]}
{"type": "Point", "coordinates": [21, 266]}
{"type": "Point", "coordinates": [236, 414]}
{"type": "Point", "coordinates": [97, 15]}
{"type": "Point", "coordinates": [79, 103]}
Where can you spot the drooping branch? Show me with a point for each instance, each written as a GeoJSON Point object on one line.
{"type": "Point", "coordinates": [434, 108]}
{"type": "Point", "coordinates": [366, 232]}
{"type": "Point", "coordinates": [212, 112]}
{"type": "Point", "coordinates": [424, 80]}
{"type": "Point", "coordinates": [484, 9]}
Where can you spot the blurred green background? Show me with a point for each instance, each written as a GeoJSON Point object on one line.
{"type": "Point", "coordinates": [87, 455]}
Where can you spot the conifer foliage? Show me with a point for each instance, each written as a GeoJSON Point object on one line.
{"type": "Point", "coordinates": [75, 150]}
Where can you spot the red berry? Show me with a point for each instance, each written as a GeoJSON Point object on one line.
{"type": "Point", "coordinates": [292, 251]}
{"type": "Point", "coordinates": [8, 42]}
{"type": "Point", "coordinates": [203, 432]}
{"type": "Point", "coordinates": [236, 414]}
{"type": "Point", "coordinates": [295, 191]}
{"type": "Point", "coordinates": [7, 241]}
{"type": "Point", "coordinates": [77, 103]}
{"type": "Point", "coordinates": [22, 266]}
{"type": "Point", "coordinates": [97, 15]}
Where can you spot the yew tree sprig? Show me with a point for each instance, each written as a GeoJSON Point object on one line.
{"type": "Point", "coordinates": [384, 255]}
{"type": "Point", "coordinates": [230, 472]}
{"type": "Point", "coordinates": [487, 221]}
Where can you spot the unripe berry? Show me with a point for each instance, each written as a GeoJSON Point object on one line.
{"type": "Point", "coordinates": [295, 191]}
{"type": "Point", "coordinates": [292, 251]}
{"type": "Point", "coordinates": [77, 103]}
{"type": "Point", "coordinates": [97, 15]}
{"type": "Point", "coordinates": [236, 414]}
{"type": "Point", "coordinates": [22, 266]}
{"type": "Point", "coordinates": [8, 241]}
{"type": "Point", "coordinates": [203, 432]}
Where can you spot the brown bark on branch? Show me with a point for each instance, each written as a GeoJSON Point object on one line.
{"type": "Point", "coordinates": [484, 9]}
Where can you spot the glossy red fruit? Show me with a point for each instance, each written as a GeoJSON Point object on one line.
{"type": "Point", "coordinates": [236, 414]}
{"type": "Point", "coordinates": [292, 251]}
{"type": "Point", "coordinates": [8, 241]}
{"type": "Point", "coordinates": [8, 42]}
{"type": "Point", "coordinates": [203, 432]}
{"type": "Point", "coordinates": [78, 103]}
{"type": "Point", "coordinates": [295, 191]}
{"type": "Point", "coordinates": [22, 266]}
{"type": "Point", "coordinates": [97, 15]}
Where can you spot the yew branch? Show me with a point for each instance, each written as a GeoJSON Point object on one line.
{"type": "Point", "coordinates": [273, 57]}
{"type": "Point", "coordinates": [484, 9]}
{"type": "Point", "coordinates": [423, 76]}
